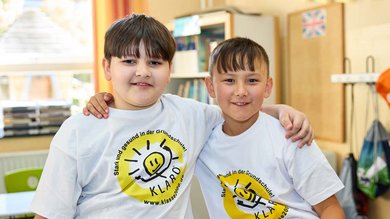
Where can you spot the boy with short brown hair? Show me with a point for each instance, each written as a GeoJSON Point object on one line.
{"type": "Point", "coordinates": [248, 169]}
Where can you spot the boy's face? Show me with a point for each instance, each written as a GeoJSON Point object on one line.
{"type": "Point", "coordinates": [138, 83]}
{"type": "Point", "coordinates": [240, 94]}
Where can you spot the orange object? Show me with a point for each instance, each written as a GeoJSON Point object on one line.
{"type": "Point", "coordinates": [383, 85]}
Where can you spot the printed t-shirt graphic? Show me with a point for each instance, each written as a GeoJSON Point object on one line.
{"type": "Point", "coordinates": [150, 167]}
{"type": "Point", "coordinates": [246, 196]}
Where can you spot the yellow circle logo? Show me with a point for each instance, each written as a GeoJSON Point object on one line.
{"type": "Point", "coordinates": [245, 197]}
{"type": "Point", "coordinates": [150, 167]}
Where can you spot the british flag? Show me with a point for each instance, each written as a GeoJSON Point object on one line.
{"type": "Point", "coordinates": [314, 23]}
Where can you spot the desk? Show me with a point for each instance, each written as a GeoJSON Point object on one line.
{"type": "Point", "coordinates": [15, 203]}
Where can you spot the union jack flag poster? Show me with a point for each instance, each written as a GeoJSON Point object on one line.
{"type": "Point", "coordinates": [314, 23]}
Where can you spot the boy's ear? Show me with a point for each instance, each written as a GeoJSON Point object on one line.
{"type": "Point", "coordinates": [107, 69]}
{"type": "Point", "coordinates": [268, 87]}
{"type": "Point", "coordinates": [170, 71]}
{"type": "Point", "coordinates": [210, 86]}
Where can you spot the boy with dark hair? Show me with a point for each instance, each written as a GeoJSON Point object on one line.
{"type": "Point", "coordinates": [138, 163]}
{"type": "Point", "coordinates": [248, 169]}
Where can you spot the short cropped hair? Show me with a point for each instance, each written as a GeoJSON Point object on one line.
{"type": "Point", "coordinates": [237, 54]}
{"type": "Point", "coordinates": [124, 36]}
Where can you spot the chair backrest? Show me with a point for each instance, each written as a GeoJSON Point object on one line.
{"type": "Point", "coordinates": [22, 180]}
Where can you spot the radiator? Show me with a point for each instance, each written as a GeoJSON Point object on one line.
{"type": "Point", "coordinates": [12, 161]}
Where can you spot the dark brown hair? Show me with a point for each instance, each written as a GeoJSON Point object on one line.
{"type": "Point", "coordinates": [124, 36]}
{"type": "Point", "coordinates": [237, 54]}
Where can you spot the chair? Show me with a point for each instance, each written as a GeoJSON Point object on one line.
{"type": "Point", "coordinates": [22, 180]}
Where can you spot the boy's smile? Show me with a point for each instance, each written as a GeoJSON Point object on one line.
{"type": "Point", "coordinates": [141, 84]}
{"type": "Point", "coordinates": [138, 82]}
{"type": "Point", "coordinates": [240, 95]}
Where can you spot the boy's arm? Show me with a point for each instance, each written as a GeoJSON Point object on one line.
{"type": "Point", "coordinates": [295, 122]}
{"type": "Point", "coordinates": [329, 209]}
{"type": "Point", "coordinates": [37, 216]}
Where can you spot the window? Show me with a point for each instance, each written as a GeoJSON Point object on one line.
{"type": "Point", "coordinates": [46, 50]}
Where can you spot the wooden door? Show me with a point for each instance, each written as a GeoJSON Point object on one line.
{"type": "Point", "coordinates": [315, 51]}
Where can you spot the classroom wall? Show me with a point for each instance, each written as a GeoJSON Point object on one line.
{"type": "Point", "coordinates": [367, 32]}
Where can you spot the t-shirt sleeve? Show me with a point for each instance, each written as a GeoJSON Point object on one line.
{"type": "Point", "coordinates": [213, 116]}
{"type": "Point", "coordinates": [313, 177]}
{"type": "Point", "coordinates": [58, 189]}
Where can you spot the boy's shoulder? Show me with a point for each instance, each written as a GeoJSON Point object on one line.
{"type": "Point", "coordinates": [270, 121]}
{"type": "Point", "coordinates": [187, 103]}
{"type": "Point", "coordinates": [76, 117]}
{"type": "Point", "coordinates": [78, 120]}
{"type": "Point", "coordinates": [178, 99]}
{"type": "Point", "coordinates": [273, 128]}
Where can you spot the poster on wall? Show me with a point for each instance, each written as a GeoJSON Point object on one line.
{"type": "Point", "coordinates": [313, 23]}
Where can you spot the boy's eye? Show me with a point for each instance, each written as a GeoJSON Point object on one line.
{"type": "Point", "coordinates": [252, 80]}
{"type": "Point", "coordinates": [129, 61]}
{"type": "Point", "coordinates": [228, 80]}
{"type": "Point", "coordinates": [155, 62]}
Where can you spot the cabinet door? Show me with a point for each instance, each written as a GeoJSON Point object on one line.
{"type": "Point", "coordinates": [316, 50]}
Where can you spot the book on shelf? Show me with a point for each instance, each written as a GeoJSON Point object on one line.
{"type": "Point", "coordinates": [195, 89]}
{"type": "Point", "coordinates": [20, 115]}
{"type": "Point", "coordinates": [17, 110]}
{"type": "Point", "coordinates": [30, 132]}
{"type": "Point", "coordinates": [203, 93]}
{"type": "Point", "coordinates": [58, 113]}
{"type": "Point", "coordinates": [33, 118]}
{"type": "Point", "coordinates": [186, 91]}
{"type": "Point", "coordinates": [20, 132]}
{"type": "Point", "coordinates": [22, 124]}
{"type": "Point", "coordinates": [52, 121]}
{"type": "Point", "coordinates": [180, 90]}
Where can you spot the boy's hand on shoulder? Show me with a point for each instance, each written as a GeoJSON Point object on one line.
{"type": "Point", "coordinates": [297, 126]}
{"type": "Point", "coordinates": [98, 105]}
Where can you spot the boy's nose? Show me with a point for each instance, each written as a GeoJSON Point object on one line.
{"type": "Point", "coordinates": [142, 71]}
{"type": "Point", "coordinates": [240, 90]}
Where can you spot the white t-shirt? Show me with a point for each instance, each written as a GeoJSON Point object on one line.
{"type": "Point", "coordinates": [260, 174]}
{"type": "Point", "coordinates": [135, 164]}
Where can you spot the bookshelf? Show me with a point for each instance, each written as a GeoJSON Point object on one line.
{"type": "Point", "coordinates": [198, 34]}
{"type": "Point", "coordinates": [18, 119]}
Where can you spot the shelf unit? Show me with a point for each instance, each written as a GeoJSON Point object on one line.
{"type": "Point", "coordinates": [260, 28]}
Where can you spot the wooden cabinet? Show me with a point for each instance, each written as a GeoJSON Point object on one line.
{"type": "Point", "coordinates": [313, 56]}
{"type": "Point", "coordinates": [192, 64]}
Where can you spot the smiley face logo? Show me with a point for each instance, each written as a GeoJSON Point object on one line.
{"type": "Point", "coordinates": [248, 197]}
{"type": "Point", "coordinates": [156, 159]}
{"type": "Point", "coordinates": [153, 162]}
{"type": "Point", "coordinates": [151, 168]}
{"type": "Point", "coordinates": [245, 194]}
